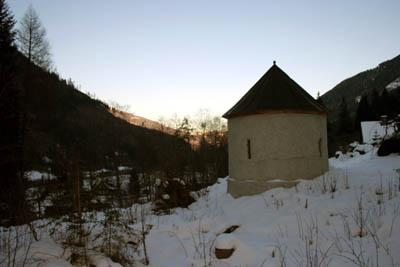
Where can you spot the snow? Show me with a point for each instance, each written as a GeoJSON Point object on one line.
{"type": "Point", "coordinates": [124, 168]}
{"type": "Point", "coordinates": [393, 85]}
{"type": "Point", "coordinates": [227, 241]}
{"type": "Point", "coordinates": [46, 253]}
{"type": "Point", "coordinates": [280, 225]}
{"type": "Point", "coordinates": [55, 263]}
{"type": "Point", "coordinates": [46, 249]}
{"type": "Point", "coordinates": [47, 160]}
{"type": "Point", "coordinates": [102, 261]}
{"type": "Point", "coordinates": [101, 171]}
{"type": "Point", "coordinates": [365, 148]}
{"type": "Point", "coordinates": [36, 175]}
{"type": "Point", "coordinates": [270, 221]}
{"type": "Point", "coordinates": [179, 181]}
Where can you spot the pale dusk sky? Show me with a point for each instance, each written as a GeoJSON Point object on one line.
{"type": "Point", "coordinates": [164, 56]}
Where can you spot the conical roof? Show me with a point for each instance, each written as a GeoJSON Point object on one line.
{"type": "Point", "coordinates": [275, 92]}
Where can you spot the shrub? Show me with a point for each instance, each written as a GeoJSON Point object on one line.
{"type": "Point", "coordinates": [389, 146]}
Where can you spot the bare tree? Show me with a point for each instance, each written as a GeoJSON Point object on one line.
{"type": "Point", "coordinates": [118, 107]}
{"type": "Point", "coordinates": [32, 41]}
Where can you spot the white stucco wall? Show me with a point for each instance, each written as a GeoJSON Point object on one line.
{"type": "Point", "coordinates": [284, 146]}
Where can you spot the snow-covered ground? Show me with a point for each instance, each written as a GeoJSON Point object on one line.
{"type": "Point", "coordinates": [299, 225]}
{"type": "Point", "coordinates": [347, 217]}
{"type": "Point", "coordinates": [36, 175]}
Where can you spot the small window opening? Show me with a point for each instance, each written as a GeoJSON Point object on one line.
{"type": "Point", "coordinates": [248, 149]}
{"type": "Point", "coordinates": [320, 147]}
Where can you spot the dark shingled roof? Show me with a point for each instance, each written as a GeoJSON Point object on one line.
{"type": "Point", "coordinates": [275, 92]}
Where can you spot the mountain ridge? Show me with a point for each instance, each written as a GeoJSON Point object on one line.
{"type": "Point", "coordinates": [352, 88]}
{"type": "Point", "coordinates": [66, 124]}
{"type": "Point", "coordinates": [141, 121]}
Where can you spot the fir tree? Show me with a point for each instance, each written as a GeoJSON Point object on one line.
{"type": "Point", "coordinates": [134, 184]}
{"type": "Point", "coordinates": [319, 100]}
{"type": "Point", "coordinates": [375, 104]}
{"type": "Point", "coordinates": [363, 112]}
{"type": "Point", "coordinates": [12, 191]}
{"type": "Point", "coordinates": [7, 37]}
{"type": "Point", "coordinates": [344, 118]}
{"type": "Point", "coordinates": [7, 22]}
{"type": "Point", "coordinates": [388, 104]}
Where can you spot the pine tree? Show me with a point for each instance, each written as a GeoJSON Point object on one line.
{"type": "Point", "coordinates": [344, 118]}
{"type": "Point", "coordinates": [12, 192]}
{"type": "Point", "coordinates": [376, 108]}
{"type": "Point", "coordinates": [134, 184]}
{"type": "Point", "coordinates": [7, 37]}
{"type": "Point", "coordinates": [363, 113]}
{"type": "Point", "coordinates": [7, 22]}
{"type": "Point", "coordinates": [319, 99]}
{"type": "Point", "coordinates": [388, 104]}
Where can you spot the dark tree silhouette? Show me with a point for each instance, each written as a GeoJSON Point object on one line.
{"type": "Point", "coordinates": [12, 191]}
{"type": "Point", "coordinates": [7, 36]}
{"type": "Point", "coordinates": [344, 118]}
{"type": "Point", "coordinates": [7, 23]}
{"type": "Point", "coordinates": [319, 99]}
{"type": "Point", "coordinates": [376, 104]}
{"type": "Point", "coordinates": [364, 112]}
{"type": "Point", "coordinates": [388, 104]}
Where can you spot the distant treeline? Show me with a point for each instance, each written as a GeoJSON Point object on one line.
{"type": "Point", "coordinates": [370, 107]}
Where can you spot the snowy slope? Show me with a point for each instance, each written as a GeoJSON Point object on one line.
{"type": "Point", "coordinates": [348, 217]}
{"type": "Point", "coordinates": [290, 222]}
{"type": "Point", "coordinates": [393, 85]}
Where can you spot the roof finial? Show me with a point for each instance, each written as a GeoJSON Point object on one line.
{"type": "Point", "coordinates": [274, 62]}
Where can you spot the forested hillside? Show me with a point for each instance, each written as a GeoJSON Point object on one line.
{"type": "Point", "coordinates": [364, 97]}
{"type": "Point", "coordinates": [50, 127]}
{"type": "Point", "coordinates": [353, 88]}
{"type": "Point", "coordinates": [61, 119]}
